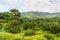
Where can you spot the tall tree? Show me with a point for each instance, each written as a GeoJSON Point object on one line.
{"type": "Point", "coordinates": [15, 12]}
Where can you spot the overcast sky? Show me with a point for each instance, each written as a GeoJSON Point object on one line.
{"type": "Point", "coordinates": [30, 5]}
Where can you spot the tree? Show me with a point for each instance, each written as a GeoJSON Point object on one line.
{"type": "Point", "coordinates": [13, 26]}
{"type": "Point", "coordinates": [15, 12]}
{"type": "Point", "coordinates": [6, 15]}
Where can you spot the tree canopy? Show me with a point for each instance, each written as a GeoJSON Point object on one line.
{"type": "Point", "coordinates": [15, 12]}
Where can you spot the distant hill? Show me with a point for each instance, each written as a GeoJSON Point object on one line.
{"type": "Point", "coordinates": [39, 14]}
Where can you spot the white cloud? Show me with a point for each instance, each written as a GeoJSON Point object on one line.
{"type": "Point", "coordinates": [42, 5]}
{"type": "Point", "coordinates": [31, 5]}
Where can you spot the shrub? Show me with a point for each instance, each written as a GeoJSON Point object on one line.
{"type": "Point", "coordinates": [30, 32]}
{"type": "Point", "coordinates": [1, 27]}
{"type": "Point", "coordinates": [48, 37]}
{"type": "Point", "coordinates": [4, 37]}
{"type": "Point", "coordinates": [17, 39]}
{"type": "Point", "coordinates": [6, 15]}
{"type": "Point", "coordinates": [53, 27]}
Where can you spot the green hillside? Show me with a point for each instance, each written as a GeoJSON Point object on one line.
{"type": "Point", "coordinates": [39, 14]}
{"type": "Point", "coordinates": [29, 25]}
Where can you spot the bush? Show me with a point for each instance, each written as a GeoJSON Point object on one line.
{"type": "Point", "coordinates": [53, 27]}
{"type": "Point", "coordinates": [6, 15]}
{"type": "Point", "coordinates": [30, 32]}
{"type": "Point", "coordinates": [4, 37]}
{"type": "Point", "coordinates": [48, 37]}
{"type": "Point", "coordinates": [1, 27]}
{"type": "Point", "coordinates": [17, 39]}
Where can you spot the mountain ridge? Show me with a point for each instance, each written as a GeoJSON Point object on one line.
{"type": "Point", "coordinates": [35, 14]}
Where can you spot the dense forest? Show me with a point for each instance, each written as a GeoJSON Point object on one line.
{"type": "Point", "coordinates": [15, 27]}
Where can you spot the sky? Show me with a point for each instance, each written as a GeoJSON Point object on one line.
{"type": "Point", "coordinates": [30, 5]}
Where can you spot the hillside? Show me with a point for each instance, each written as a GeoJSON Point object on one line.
{"type": "Point", "coordinates": [42, 26]}
{"type": "Point", "coordinates": [39, 14]}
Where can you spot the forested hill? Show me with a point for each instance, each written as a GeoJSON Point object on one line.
{"type": "Point", "coordinates": [34, 14]}
{"type": "Point", "coordinates": [15, 25]}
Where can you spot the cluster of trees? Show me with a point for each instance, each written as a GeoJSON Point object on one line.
{"type": "Point", "coordinates": [13, 23]}
{"type": "Point", "coordinates": [47, 24]}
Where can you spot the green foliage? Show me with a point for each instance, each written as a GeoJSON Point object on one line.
{"type": "Point", "coordinates": [13, 26]}
{"type": "Point", "coordinates": [1, 27]}
{"type": "Point", "coordinates": [6, 15]}
{"type": "Point", "coordinates": [27, 27]}
{"type": "Point", "coordinates": [48, 37]}
{"type": "Point", "coordinates": [30, 32]}
{"type": "Point", "coordinates": [4, 37]}
{"type": "Point", "coordinates": [53, 27]}
{"type": "Point", "coordinates": [17, 39]}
